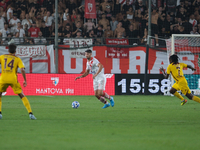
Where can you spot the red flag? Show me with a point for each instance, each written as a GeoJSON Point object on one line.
{"type": "Point", "coordinates": [90, 9]}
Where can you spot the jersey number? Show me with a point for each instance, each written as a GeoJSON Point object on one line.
{"type": "Point", "coordinates": [10, 64]}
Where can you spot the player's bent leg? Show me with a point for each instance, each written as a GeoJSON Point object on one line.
{"type": "Point", "coordinates": [27, 105]}
{"type": "Point", "coordinates": [175, 93]}
{"type": "Point", "coordinates": [98, 94]}
{"type": "Point", "coordinates": [192, 97]}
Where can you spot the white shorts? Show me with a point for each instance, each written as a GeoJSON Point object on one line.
{"type": "Point", "coordinates": [99, 83]}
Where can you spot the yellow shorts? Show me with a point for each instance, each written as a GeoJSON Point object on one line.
{"type": "Point", "coordinates": [16, 87]}
{"type": "Point", "coordinates": [182, 86]}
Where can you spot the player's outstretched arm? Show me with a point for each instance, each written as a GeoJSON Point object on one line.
{"type": "Point", "coordinates": [166, 76]}
{"type": "Point", "coordinates": [83, 75]}
{"type": "Point", "coordinates": [189, 66]}
{"type": "Point", "coordinates": [24, 76]}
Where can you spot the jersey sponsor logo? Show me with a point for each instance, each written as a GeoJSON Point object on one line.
{"type": "Point", "coordinates": [55, 80]}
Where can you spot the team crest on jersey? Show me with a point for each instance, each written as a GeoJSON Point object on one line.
{"type": "Point", "coordinates": [55, 80]}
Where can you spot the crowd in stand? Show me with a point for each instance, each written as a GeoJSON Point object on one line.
{"type": "Point", "coordinates": [115, 19]}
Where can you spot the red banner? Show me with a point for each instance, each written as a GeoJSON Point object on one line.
{"type": "Point", "coordinates": [90, 9]}
{"type": "Point", "coordinates": [117, 52]}
{"type": "Point", "coordinates": [61, 84]}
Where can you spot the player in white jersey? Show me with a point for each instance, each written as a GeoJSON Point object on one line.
{"type": "Point", "coordinates": [99, 80]}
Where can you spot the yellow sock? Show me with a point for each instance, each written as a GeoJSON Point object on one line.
{"type": "Point", "coordinates": [27, 104]}
{"type": "Point", "coordinates": [178, 95]}
{"type": "Point", "coordinates": [0, 104]}
{"type": "Point", "coordinates": [195, 98]}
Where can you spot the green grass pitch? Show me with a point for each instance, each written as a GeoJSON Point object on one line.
{"type": "Point", "coordinates": [135, 122]}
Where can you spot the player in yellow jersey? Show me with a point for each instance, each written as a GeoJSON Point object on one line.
{"type": "Point", "coordinates": [176, 70]}
{"type": "Point", "coordinates": [9, 65]}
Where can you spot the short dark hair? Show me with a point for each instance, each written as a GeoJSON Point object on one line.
{"type": "Point", "coordinates": [12, 48]}
{"type": "Point", "coordinates": [88, 51]}
{"type": "Point", "coordinates": [174, 58]}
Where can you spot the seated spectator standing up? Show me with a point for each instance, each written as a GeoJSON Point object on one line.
{"type": "Point", "coordinates": [40, 39]}
{"type": "Point", "coordinates": [104, 21]}
{"type": "Point", "coordinates": [89, 25]}
{"type": "Point", "coordinates": [13, 23]}
{"type": "Point", "coordinates": [192, 20]}
{"type": "Point", "coordinates": [119, 29]}
{"type": "Point", "coordinates": [99, 33]}
{"type": "Point", "coordinates": [154, 24]}
{"type": "Point", "coordinates": [27, 21]}
{"type": "Point", "coordinates": [194, 31]}
{"type": "Point", "coordinates": [20, 31]}
{"type": "Point", "coordinates": [125, 23]}
{"type": "Point", "coordinates": [48, 19]}
{"type": "Point", "coordinates": [108, 12]}
{"type": "Point", "coordinates": [113, 23]}
{"type": "Point", "coordinates": [181, 14]}
{"type": "Point", "coordinates": [108, 33]}
{"type": "Point", "coordinates": [4, 32]}
{"type": "Point", "coordinates": [33, 31]}
{"type": "Point", "coordinates": [10, 13]}
{"type": "Point", "coordinates": [2, 21]}
{"type": "Point", "coordinates": [132, 34]}
{"type": "Point", "coordinates": [45, 30]}
{"type": "Point", "coordinates": [77, 28]}
{"type": "Point", "coordinates": [141, 7]}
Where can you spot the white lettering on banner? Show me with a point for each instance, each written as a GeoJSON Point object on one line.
{"type": "Point", "coordinates": [31, 51]}
{"type": "Point", "coordinates": [134, 62]}
{"type": "Point", "coordinates": [117, 42]}
{"type": "Point", "coordinates": [186, 58]}
{"type": "Point", "coordinates": [79, 62]}
{"type": "Point", "coordinates": [69, 91]}
{"type": "Point", "coordinates": [161, 61]}
{"type": "Point", "coordinates": [115, 65]}
{"type": "Point", "coordinates": [78, 43]}
{"type": "Point", "coordinates": [49, 91]}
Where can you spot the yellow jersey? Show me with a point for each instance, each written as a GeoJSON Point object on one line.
{"type": "Point", "coordinates": [176, 70]}
{"type": "Point", "coordinates": [9, 65]}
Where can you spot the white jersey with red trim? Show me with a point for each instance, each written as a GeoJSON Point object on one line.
{"type": "Point", "coordinates": [92, 66]}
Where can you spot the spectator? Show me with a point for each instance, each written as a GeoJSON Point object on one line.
{"type": "Point", "coordinates": [67, 30]}
{"type": "Point", "coordinates": [77, 28]}
{"type": "Point", "coordinates": [120, 35]}
{"type": "Point", "coordinates": [66, 13]}
{"type": "Point", "coordinates": [104, 4]}
{"type": "Point", "coordinates": [187, 26]}
{"type": "Point", "coordinates": [39, 21]}
{"type": "Point", "coordinates": [139, 15]}
{"type": "Point", "coordinates": [32, 13]}
{"type": "Point", "coordinates": [20, 31]}
{"type": "Point", "coordinates": [4, 32]}
{"type": "Point", "coordinates": [13, 23]}
{"type": "Point", "coordinates": [167, 24]}
{"type": "Point", "coordinates": [104, 21]}
{"type": "Point", "coordinates": [113, 23]}
{"type": "Point", "coordinates": [73, 16]}
{"type": "Point", "coordinates": [108, 32]}
{"type": "Point", "coordinates": [16, 38]}
{"type": "Point", "coordinates": [194, 31]}
{"type": "Point", "coordinates": [117, 7]}
{"type": "Point", "coordinates": [130, 13]}
{"type": "Point", "coordinates": [40, 39]}
{"type": "Point", "coordinates": [181, 14]}
{"type": "Point", "coordinates": [141, 7]}
{"type": "Point", "coordinates": [132, 34]}
{"type": "Point", "coordinates": [10, 13]}
{"type": "Point", "coordinates": [188, 8]}
{"type": "Point", "coordinates": [71, 5]}
{"type": "Point", "coordinates": [119, 29]}
{"type": "Point", "coordinates": [180, 22]}
{"type": "Point", "coordinates": [27, 21]}
{"type": "Point", "coordinates": [6, 40]}
{"type": "Point", "coordinates": [45, 30]}
{"type": "Point", "coordinates": [2, 21]}
{"type": "Point", "coordinates": [154, 24]}
{"type": "Point", "coordinates": [33, 31]}
{"type": "Point", "coordinates": [161, 18]}
{"type": "Point", "coordinates": [108, 13]}
{"type": "Point", "coordinates": [3, 5]}
{"type": "Point", "coordinates": [66, 40]}
{"type": "Point", "coordinates": [99, 31]}
{"type": "Point", "coordinates": [181, 29]}
{"type": "Point", "coordinates": [49, 5]}
{"type": "Point", "coordinates": [125, 23]}
{"type": "Point", "coordinates": [78, 19]}
{"type": "Point", "coordinates": [2, 12]}
{"type": "Point", "coordinates": [48, 19]}
{"type": "Point", "coordinates": [35, 4]}
{"type": "Point", "coordinates": [89, 25]}
{"type": "Point", "coordinates": [28, 41]}
{"type": "Point", "coordinates": [163, 34]}
{"type": "Point", "coordinates": [126, 6]}
{"type": "Point", "coordinates": [192, 20]}
{"type": "Point", "coordinates": [90, 34]}
{"type": "Point", "coordinates": [78, 34]}
{"type": "Point", "coordinates": [26, 30]}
